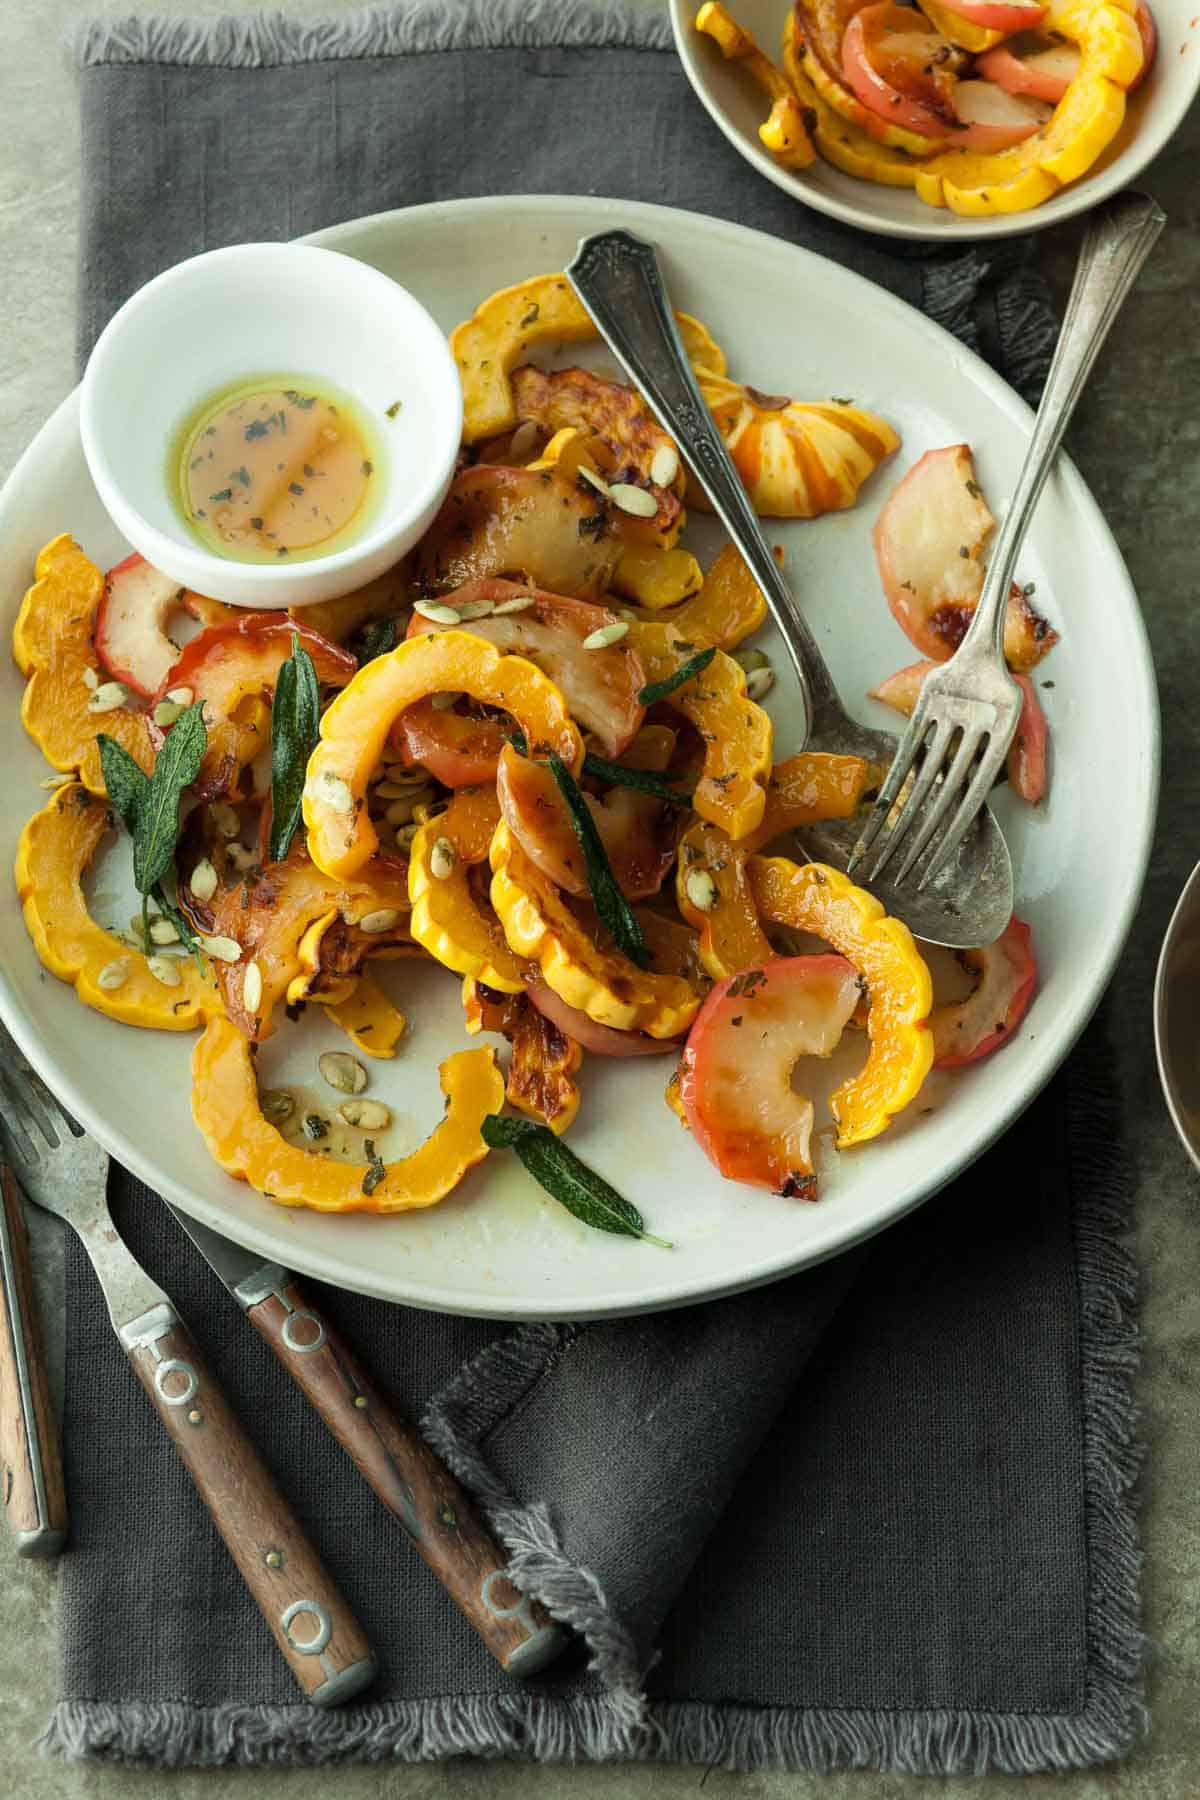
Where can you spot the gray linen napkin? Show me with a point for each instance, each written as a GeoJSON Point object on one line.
{"type": "Point", "coordinates": [876, 1515]}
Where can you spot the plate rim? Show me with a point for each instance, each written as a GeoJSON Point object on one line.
{"type": "Point", "coordinates": [1078, 197]}
{"type": "Point", "coordinates": [429, 1296]}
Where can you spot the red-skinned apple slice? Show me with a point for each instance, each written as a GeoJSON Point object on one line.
{"type": "Point", "coordinates": [1027, 752]}
{"type": "Point", "coordinates": [458, 749]}
{"type": "Point", "coordinates": [131, 637]}
{"type": "Point", "coordinates": [1149, 34]}
{"type": "Point", "coordinates": [640, 846]}
{"type": "Point", "coordinates": [901, 73]}
{"type": "Point", "coordinates": [998, 15]}
{"type": "Point", "coordinates": [600, 686]}
{"type": "Point", "coordinates": [601, 1040]}
{"type": "Point", "coordinates": [928, 543]}
{"type": "Point", "coordinates": [736, 1076]}
{"type": "Point", "coordinates": [1005, 976]}
{"type": "Point", "coordinates": [1044, 75]}
{"type": "Point", "coordinates": [994, 119]}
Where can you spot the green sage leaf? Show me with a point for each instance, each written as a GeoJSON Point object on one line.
{"type": "Point", "coordinates": [376, 639]}
{"type": "Point", "coordinates": [695, 665]}
{"type": "Point", "coordinates": [614, 910]}
{"type": "Point", "coordinates": [295, 728]}
{"type": "Point", "coordinates": [568, 1180]}
{"type": "Point", "coordinates": [126, 782]}
{"type": "Point", "coordinates": [157, 817]}
{"type": "Point", "coordinates": [646, 781]}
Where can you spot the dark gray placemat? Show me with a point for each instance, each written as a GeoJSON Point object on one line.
{"type": "Point", "coordinates": [922, 1554]}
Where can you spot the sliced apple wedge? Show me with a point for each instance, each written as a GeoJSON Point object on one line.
{"type": "Point", "coordinates": [131, 637]}
{"type": "Point", "coordinates": [1044, 74]}
{"type": "Point", "coordinates": [900, 72]}
{"type": "Point", "coordinates": [995, 119]}
{"type": "Point", "coordinates": [1005, 976]}
{"type": "Point", "coordinates": [1027, 756]}
{"type": "Point", "coordinates": [998, 15]}
{"type": "Point", "coordinates": [929, 540]}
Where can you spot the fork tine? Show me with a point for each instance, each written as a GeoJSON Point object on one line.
{"type": "Point", "coordinates": [32, 1104]}
{"type": "Point", "coordinates": [16, 1125]}
{"type": "Point", "coordinates": [974, 798]}
{"type": "Point", "coordinates": [955, 779]}
{"type": "Point", "coordinates": [46, 1107]}
{"type": "Point", "coordinates": [936, 752]}
{"type": "Point", "coordinates": [901, 763]}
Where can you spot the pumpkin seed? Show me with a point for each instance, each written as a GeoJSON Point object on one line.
{"type": "Point", "coordinates": [342, 1071]}
{"type": "Point", "coordinates": [165, 969]}
{"type": "Point", "coordinates": [57, 781]}
{"type": "Point", "coordinates": [167, 711]}
{"type": "Point", "coordinates": [759, 683]}
{"type": "Point", "coordinates": [113, 975]}
{"type": "Point", "coordinates": [241, 857]}
{"type": "Point", "coordinates": [443, 702]}
{"type": "Point", "coordinates": [277, 1105]}
{"type": "Point", "coordinates": [225, 949]}
{"type": "Point", "coordinates": [596, 481]}
{"type": "Point", "coordinates": [404, 790]}
{"type": "Point", "coordinates": [437, 615]}
{"type": "Point", "coordinates": [751, 659]}
{"type": "Point", "coordinates": [252, 986]}
{"type": "Point", "coordinates": [442, 859]}
{"type": "Point", "coordinates": [701, 890]}
{"type": "Point", "coordinates": [224, 818]}
{"type": "Point", "coordinates": [334, 792]}
{"type": "Point", "coordinates": [518, 603]}
{"type": "Point", "coordinates": [634, 500]}
{"type": "Point", "coordinates": [381, 920]}
{"type": "Point", "coordinates": [399, 812]}
{"type": "Point", "coordinates": [476, 609]}
{"type": "Point", "coordinates": [606, 635]}
{"type": "Point", "coordinates": [107, 697]}
{"type": "Point", "coordinates": [182, 696]}
{"type": "Point", "coordinates": [163, 932]}
{"type": "Point", "coordinates": [405, 835]}
{"type": "Point", "coordinates": [204, 880]}
{"type": "Point", "coordinates": [367, 1115]}
{"type": "Point", "coordinates": [91, 679]}
{"type": "Point", "coordinates": [405, 774]}
{"type": "Point", "coordinates": [664, 466]}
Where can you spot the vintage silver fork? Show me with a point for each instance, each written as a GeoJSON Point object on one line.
{"type": "Point", "coordinates": [969, 707]}
{"type": "Point", "coordinates": [63, 1170]}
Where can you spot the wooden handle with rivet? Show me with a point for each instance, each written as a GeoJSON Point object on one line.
{"type": "Point", "coordinates": [308, 1617]}
{"type": "Point", "coordinates": [30, 1461]}
{"type": "Point", "coordinates": [407, 1476]}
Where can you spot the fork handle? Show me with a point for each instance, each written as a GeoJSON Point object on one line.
{"type": "Point", "coordinates": [30, 1461]}
{"type": "Point", "coordinates": [309, 1618]}
{"type": "Point", "coordinates": [1119, 238]}
{"type": "Point", "coordinates": [414, 1485]}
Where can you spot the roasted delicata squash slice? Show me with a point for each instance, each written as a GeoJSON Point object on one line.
{"type": "Point", "coordinates": [785, 132]}
{"type": "Point", "coordinates": [714, 894]}
{"type": "Point", "coordinates": [840, 141]}
{"type": "Point", "coordinates": [807, 789]}
{"type": "Point", "coordinates": [300, 932]}
{"type": "Point", "coordinates": [541, 928]}
{"type": "Point", "coordinates": [541, 1072]}
{"type": "Point", "coordinates": [355, 728]}
{"type": "Point", "coordinates": [506, 326]}
{"type": "Point", "coordinates": [736, 732]}
{"type": "Point", "coordinates": [446, 917]}
{"type": "Point", "coordinates": [798, 459]}
{"type": "Point", "coordinates": [369, 1019]}
{"type": "Point", "coordinates": [53, 648]}
{"type": "Point", "coordinates": [53, 855]}
{"type": "Point", "coordinates": [226, 1108]}
{"type": "Point", "coordinates": [820, 900]}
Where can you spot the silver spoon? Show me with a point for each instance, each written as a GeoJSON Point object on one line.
{"type": "Point", "coordinates": [617, 277]}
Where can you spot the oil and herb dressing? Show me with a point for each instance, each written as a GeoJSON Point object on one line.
{"type": "Point", "coordinates": [277, 466]}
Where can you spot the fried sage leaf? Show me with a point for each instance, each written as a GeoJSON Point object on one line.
{"type": "Point", "coordinates": [568, 1180]}
{"type": "Point", "coordinates": [613, 909]}
{"type": "Point", "coordinates": [688, 671]}
{"type": "Point", "coordinates": [295, 728]}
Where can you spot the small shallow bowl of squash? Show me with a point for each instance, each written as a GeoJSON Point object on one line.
{"type": "Point", "coordinates": [1177, 1017]}
{"type": "Point", "coordinates": [812, 136]}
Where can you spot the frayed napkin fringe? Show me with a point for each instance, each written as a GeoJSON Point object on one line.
{"type": "Point", "coordinates": [265, 40]}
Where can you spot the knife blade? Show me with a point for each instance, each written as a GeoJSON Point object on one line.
{"type": "Point", "coordinates": [389, 1452]}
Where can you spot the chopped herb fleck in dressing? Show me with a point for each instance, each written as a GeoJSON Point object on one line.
{"type": "Point", "coordinates": [287, 470]}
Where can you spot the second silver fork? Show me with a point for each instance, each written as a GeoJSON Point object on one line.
{"type": "Point", "coordinates": [968, 708]}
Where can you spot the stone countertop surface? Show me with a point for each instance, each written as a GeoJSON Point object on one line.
{"type": "Point", "coordinates": [1137, 440]}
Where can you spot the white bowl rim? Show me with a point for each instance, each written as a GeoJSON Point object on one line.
{"type": "Point", "coordinates": [272, 578]}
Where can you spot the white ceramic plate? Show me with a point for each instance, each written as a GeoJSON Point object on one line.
{"type": "Point", "coordinates": [738, 106]}
{"type": "Point", "coordinates": [499, 1246]}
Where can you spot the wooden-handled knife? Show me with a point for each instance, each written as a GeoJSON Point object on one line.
{"type": "Point", "coordinates": [412, 1482]}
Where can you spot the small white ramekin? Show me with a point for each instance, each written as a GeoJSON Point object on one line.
{"type": "Point", "coordinates": [269, 309]}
